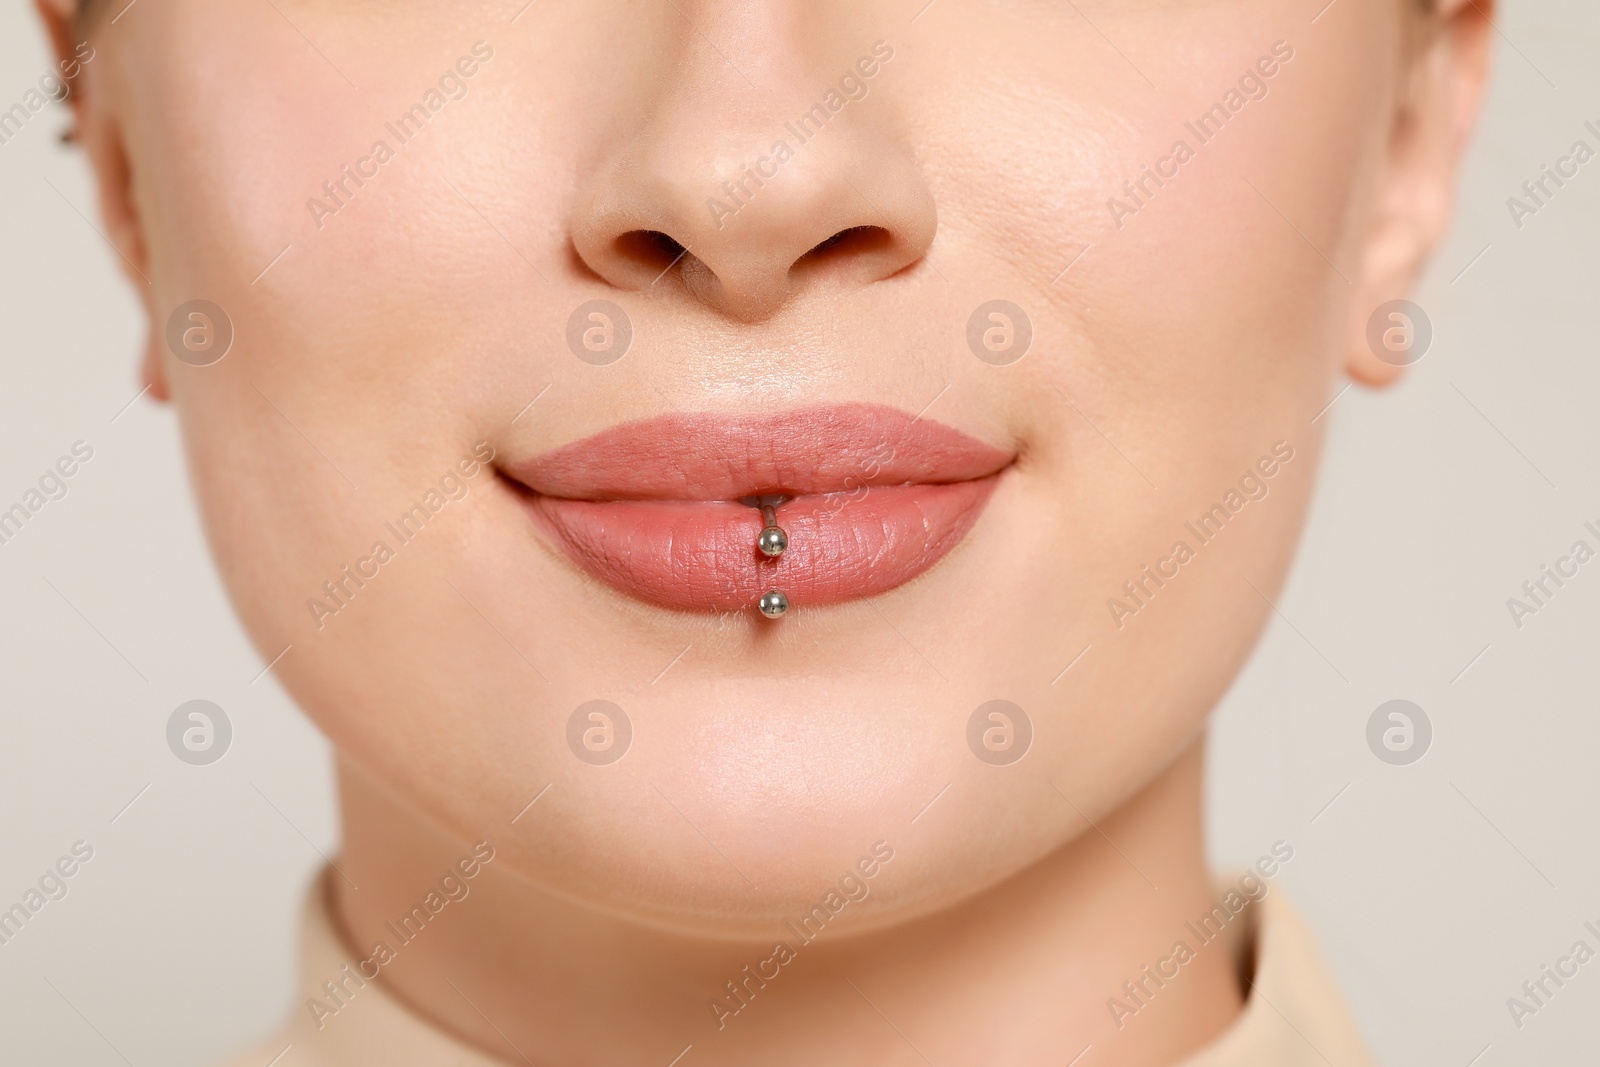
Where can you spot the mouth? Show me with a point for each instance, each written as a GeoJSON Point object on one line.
{"type": "Point", "coordinates": [671, 510]}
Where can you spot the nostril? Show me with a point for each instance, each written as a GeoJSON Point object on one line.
{"type": "Point", "coordinates": [849, 243]}
{"type": "Point", "coordinates": [649, 250]}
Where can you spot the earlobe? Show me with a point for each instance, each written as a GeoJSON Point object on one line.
{"type": "Point", "coordinates": [1435, 112]}
{"type": "Point", "coordinates": [154, 370]}
{"type": "Point", "coordinates": [98, 133]}
{"type": "Point", "coordinates": [1395, 252]}
{"type": "Point", "coordinates": [100, 136]}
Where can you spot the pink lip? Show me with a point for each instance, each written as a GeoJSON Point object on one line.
{"type": "Point", "coordinates": [651, 507]}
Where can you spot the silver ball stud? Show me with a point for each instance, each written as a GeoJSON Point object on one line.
{"type": "Point", "coordinates": [772, 541]}
{"type": "Point", "coordinates": [773, 604]}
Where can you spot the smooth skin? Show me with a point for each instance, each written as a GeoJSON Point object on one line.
{"type": "Point", "coordinates": [426, 314]}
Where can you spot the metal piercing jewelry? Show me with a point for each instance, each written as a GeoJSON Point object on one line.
{"type": "Point", "coordinates": [771, 543]}
{"type": "Point", "coordinates": [773, 540]}
{"type": "Point", "coordinates": [773, 604]}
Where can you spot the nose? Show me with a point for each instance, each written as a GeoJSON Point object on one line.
{"type": "Point", "coordinates": [754, 195]}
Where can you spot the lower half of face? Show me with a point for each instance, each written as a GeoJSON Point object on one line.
{"type": "Point", "coordinates": [1023, 337]}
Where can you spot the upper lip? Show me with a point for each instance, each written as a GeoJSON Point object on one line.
{"type": "Point", "coordinates": [705, 456]}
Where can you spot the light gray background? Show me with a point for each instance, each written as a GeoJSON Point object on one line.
{"type": "Point", "coordinates": [1437, 888]}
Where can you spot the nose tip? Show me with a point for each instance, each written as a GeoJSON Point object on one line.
{"type": "Point", "coordinates": [847, 205]}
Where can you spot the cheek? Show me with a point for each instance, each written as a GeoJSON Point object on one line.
{"type": "Point", "coordinates": [270, 183]}
{"type": "Point", "coordinates": [343, 348]}
{"type": "Point", "coordinates": [1175, 351]}
{"type": "Point", "coordinates": [238, 127]}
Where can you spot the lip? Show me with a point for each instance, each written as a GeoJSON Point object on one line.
{"type": "Point", "coordinates": [652, 507]}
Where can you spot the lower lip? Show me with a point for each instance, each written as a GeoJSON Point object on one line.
{"type": "Point", "coordinates": [701, 555]}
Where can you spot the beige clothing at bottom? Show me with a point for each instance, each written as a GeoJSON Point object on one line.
{"type": "Point", "coordinates": [1293, 1016]}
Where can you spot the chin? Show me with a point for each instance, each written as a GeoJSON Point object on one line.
{"type": "Point", "coordinates": [736, 808]}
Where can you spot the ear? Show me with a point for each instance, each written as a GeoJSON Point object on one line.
{"type": "Point", "coordinates": [1438, 107]}
{"type": "Point", "coordinates": [98, 129]}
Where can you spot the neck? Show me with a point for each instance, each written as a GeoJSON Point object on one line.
{"type": "Point", "coordinates": [1021, 974]}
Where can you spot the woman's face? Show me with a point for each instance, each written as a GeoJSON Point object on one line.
{"type": "Point", "coordinates": [406, 213]}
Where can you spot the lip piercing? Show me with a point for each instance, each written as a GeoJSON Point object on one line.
{"type": "Point", "coordinates": [772, 543]}
{"type": "Point", "coordinates": [773, 540]}
{"type": "Point", "coordinates": [773, 604]}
